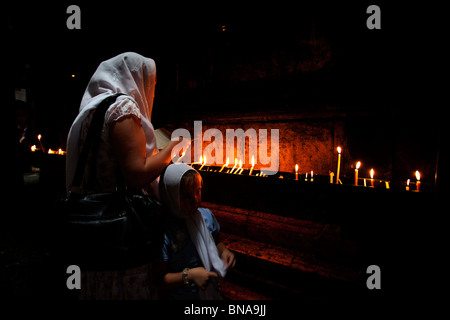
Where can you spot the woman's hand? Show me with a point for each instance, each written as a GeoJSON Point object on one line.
{"type": "Point", "coordinates": [200, 276]}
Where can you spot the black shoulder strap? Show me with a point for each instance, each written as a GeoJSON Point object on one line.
{"type": "Point", "coordinates": [92, 137]}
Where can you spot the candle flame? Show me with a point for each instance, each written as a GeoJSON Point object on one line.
{"type": "Point", "coordinates": [339, 150]}
{"type": "Point", "coordinates": [228, 161]}
{"type": "Point", "coordinates": [39, 137]}
{"type": "Point", "coordinates": [371, 173]}
{"type": "Point", "coordinates": [296, 168]}
{"type": "Point", "coordinates": [358, 164]}
{"type": "Point", "coordinates": [407, 182]}
{"type": "Point", "coordinates": [312, 174]}
{"type": "Point", "coordinates": [253, 161]}
{"type": "Point", "coordinates": [418, 175]}
{"type": "Point", "coordinates": [33, 148]}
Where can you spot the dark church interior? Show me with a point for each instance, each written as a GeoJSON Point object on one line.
{"type": "Point", "coordinates": [314, 71]}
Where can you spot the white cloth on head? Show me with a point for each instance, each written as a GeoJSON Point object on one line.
{"type": "Point", "coordinates": [198, 231]}
{"type": "Point", "coordinates": [128, 73]}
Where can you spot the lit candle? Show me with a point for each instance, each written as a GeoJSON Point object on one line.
{"type": "Point", "coordinates": [204, 162]}
{"type": "Point", "coordinates": [407, 185]}
{"type": "Point", "coordinates": [225, 165]}
{"type": "Point", "coordinates": [358, 164]}
{"type": "Point", "coordinates": [296, 172]}
{"type": "Point", "coordinates": [239, 170]}
{"type": "Point", "coordinates": [339, 164]}
{"type": "Point", "coordinates": [312, 176]}
{"type": "Point", "coordinates": [235, 164]}
{"type": "Point", "coordinates": [39, 138]}
{"type": "Point", "coordinates": [33, 148]}
{"type": "Point", "coordinates": [371, 177]}
{"type": "Point", "coordinates": [179, 158]}
{"type": "Point", "coordinates": [253, 165]}
{"type": "Point", "coordinates": [306, 176]}
{"type": "Point", "coordinates": [418, 181]}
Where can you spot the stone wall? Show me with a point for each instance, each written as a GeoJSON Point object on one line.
{"type": "Point", "coordinates": [307, 139]}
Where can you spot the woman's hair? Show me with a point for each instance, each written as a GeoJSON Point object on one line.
{"type": "Point", "coordinates": [188, 180]}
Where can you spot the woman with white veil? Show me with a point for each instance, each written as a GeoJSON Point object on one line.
{"type": "Point", "coordinates": [127, 148]}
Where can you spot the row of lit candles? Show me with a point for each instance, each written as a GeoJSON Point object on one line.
{"type": "Point", "coordinates": [372, 172]}
{"type": "Point", "coordinates": [34, 148]}
{"type": "Point", "coordinates": [238, 169]}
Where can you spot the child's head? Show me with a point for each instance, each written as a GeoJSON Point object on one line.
{"type": "Point", "coordinates": [190, 192]}
{"type": "Point", "coordinates": [181, 189]}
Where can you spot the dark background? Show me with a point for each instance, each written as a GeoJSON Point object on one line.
{"type": "Point", "coordinates": [390, 80]}
{"type": "Point", "coordinates": [277, 56]}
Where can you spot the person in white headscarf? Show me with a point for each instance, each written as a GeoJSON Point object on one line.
{"type": "Point", "coordinates": [191, 262]}
{"type": "Point", "coordinates": [127, 148]}
{"type": "Point", "coordinates": [128, 139]}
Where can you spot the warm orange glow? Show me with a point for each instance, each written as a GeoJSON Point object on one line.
{"type": "Point", "coordinates": [33, 148]}
{"type": "Point", "coordinates": [407, 182]}
{"type": "Point", "coordinates": [240, 169]}
{"type": "Point", "coordinates": [50, 151]}
{"type": "Point", "coordinates": [253, 165]}
{"type": "Point", "coordinates": [225, 165]}
{"type": "Point", "coordinates": [339, 164]}
{"type": "Point", "coordinates": [371, 173]}
{"type": "Point", "coordinates": [418, 175]}
{"type": "Point", "coordinates": [296, 168]}
{"type": "Point", "coordinates": [358, 164]}
{"type": "Point", "coordinates": [235, 164]}
{"type": "Point", "coordinates": [180, 157]}
{"type": "Point", "coordinates": [204, 162]}
{"type": "Point", "coordinates": [39, 137]}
